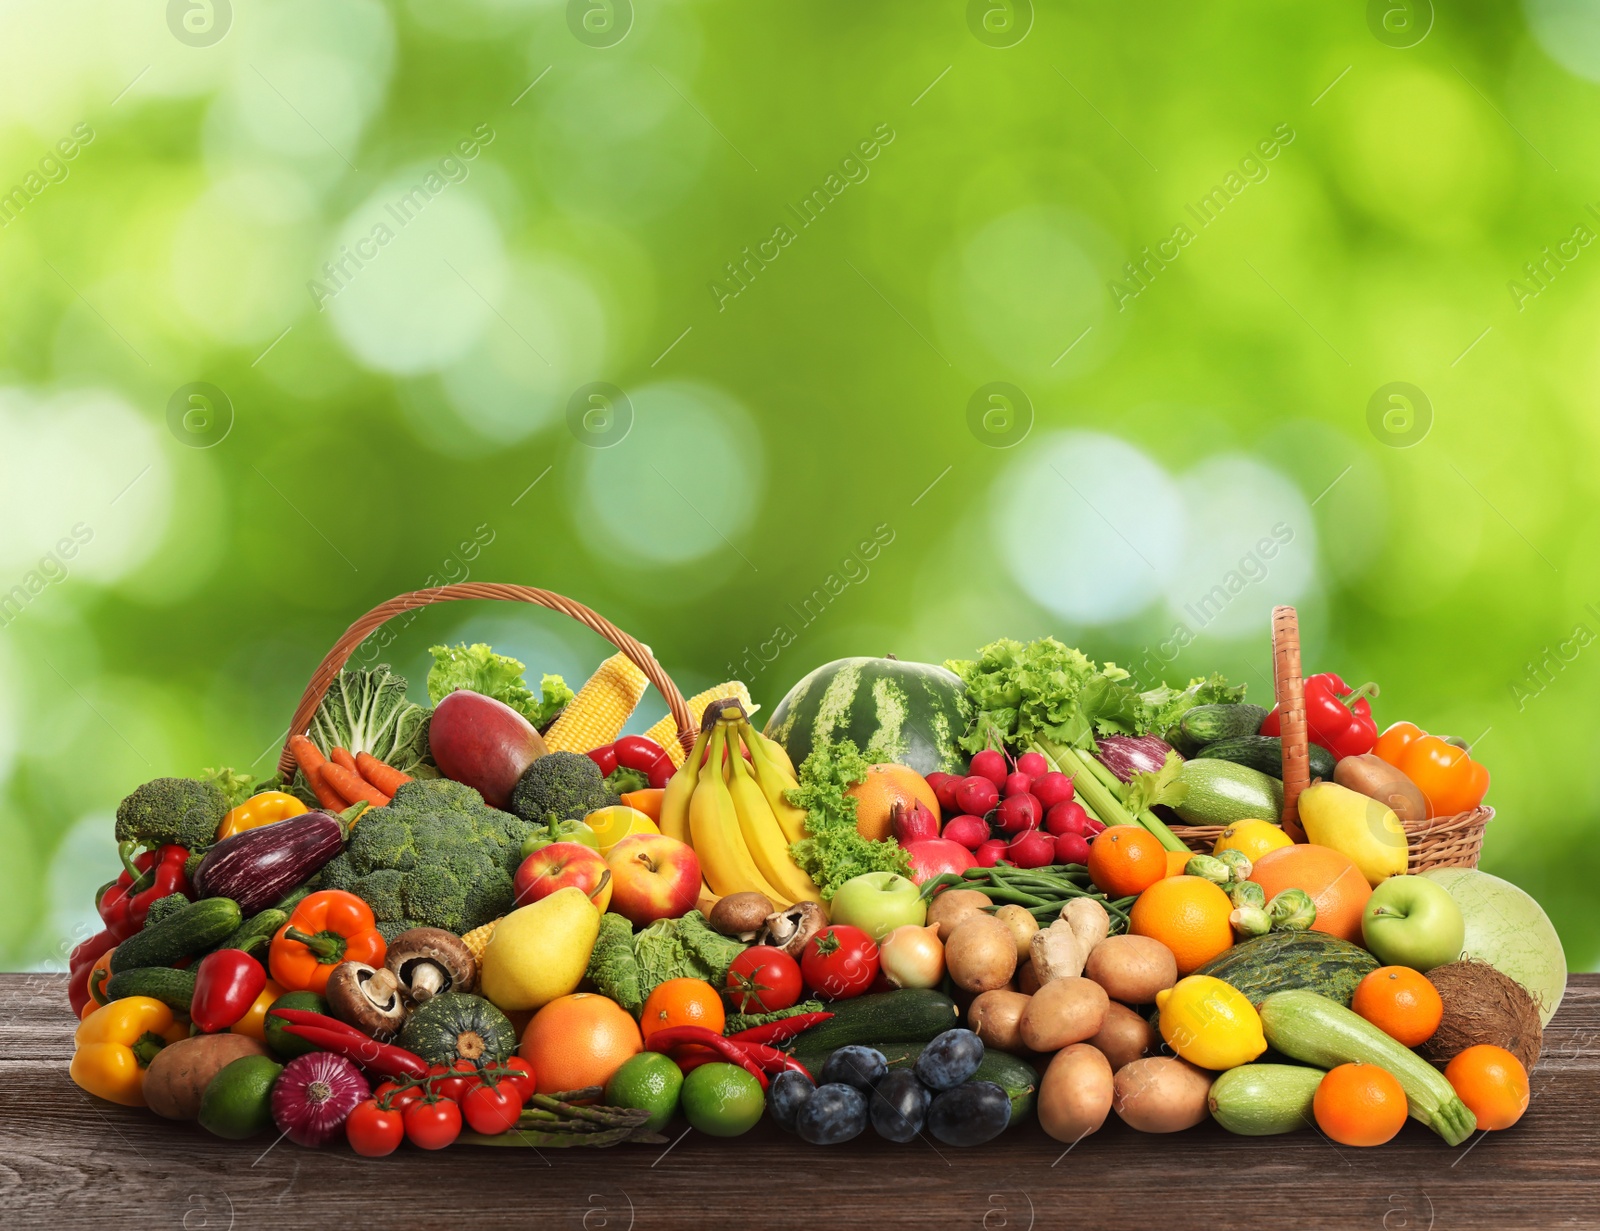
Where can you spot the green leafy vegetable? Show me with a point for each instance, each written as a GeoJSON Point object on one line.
{"type": "Point", "coordinates": [613, 967]}
{"type": "Point", "coordinates": [1164, 706]}
{"type": "Point", "coordinates": [236, 787]}
{"type": "Point", "coordinates": [682, 948]}
{"type": "Point", "coordinates": [835, 851]}
{"type": "Point", "coordinates": [367, 711]}
{"type": "Point", "coordinates": [749, 1021]}
{"type": "Point", "coordinates": [1164, 786]}
{"type": "Point", "coordinates": [479, 668]}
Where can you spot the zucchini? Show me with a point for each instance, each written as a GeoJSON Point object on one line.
{"type": "Point", "coordinates": [1261, 1100]}
{"type": "Point", "coordinates": [1206, 724]}
{"type": "Point", "coordinates": [1265, 753]}
{"type": "Point", "coordinates": [196, 927]}
{"type": "Point", "coordinates": [910, 1015]}
{"type": "Point", "coordinates": [173, 988]}
{"type": "Point", "coordinates": [256, 930]}
{"type": "Point", "coordinates": [1018, 1078]}
{"type": "Point", "coordinates": [1288, 961]}
{"type": "Point", "coordinates": [1315, 1030]}
{"type": "Point", "coordinates": [1221, 793]}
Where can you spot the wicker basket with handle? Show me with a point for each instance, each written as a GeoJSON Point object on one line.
{"type": "Point", "coordinates": [1443, 842]}
{"type": "Point", "coordinates": [358, 632]}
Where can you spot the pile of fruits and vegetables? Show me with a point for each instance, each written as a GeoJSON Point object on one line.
{"type": "Point", "coordinates": [923, 899]}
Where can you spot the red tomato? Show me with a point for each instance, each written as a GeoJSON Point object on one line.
{"type": "Point", "coordinates": [839, 962]}
{"type": "Point", "coordinates": [492, 1109]}
{"type": "Point", "coordinates": [763, 979]}
{"type": "Point", "coordinates": [518, 1074]}
{"type": "Point", "coordinates": [374, 1131]}
{"type": "Point", "coordinates": [398, 1101]}
{"type": "Point", "coordinates": [453, 1088]}
{"type": "Point", "coordinates": [433, 1125]}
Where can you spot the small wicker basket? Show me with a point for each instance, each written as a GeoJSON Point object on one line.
{"type": "Point", "coordinates": [1443, 842]}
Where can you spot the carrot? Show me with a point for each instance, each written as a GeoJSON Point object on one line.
{"type": "Point", "coordinates": [352, 786]}
{"type": "Point", "coordinates": [385, 777]}
{"type": "Point", "coordinates": [648, 802]}
{"type": "Point", "coordinates": [311, 761]}
{"type": "Point", "coordinates": [341, 756]}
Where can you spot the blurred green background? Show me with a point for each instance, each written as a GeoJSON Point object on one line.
{"type": "Point", "coordinates": [932, 337]}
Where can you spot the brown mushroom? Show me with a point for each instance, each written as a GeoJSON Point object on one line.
{"type": "Point", "coordinates": [790, 929]}
{"type": "Point", "coordinates": [366, 998]}
{"type": "Point", "coordinates": [740, 915]}
{"type": "Point", "coordinates": [428, 961]}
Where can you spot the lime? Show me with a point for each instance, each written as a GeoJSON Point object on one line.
{"type": "Point", "coordinates": [722, 1100]}
{"type": "Point", "coordinates": [650, 1081]}
{"type": "Point", "coordinates": [238, 1102]}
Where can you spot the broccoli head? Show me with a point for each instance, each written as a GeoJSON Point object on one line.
{"type": "Point", "coordinates": [437, 856]}
{"type": "Point", "coordinates": [560, 786]}
{"type": "Point", "coordinates": [172, 811]}
{"type": "Point", "coordinates": [162, 907]}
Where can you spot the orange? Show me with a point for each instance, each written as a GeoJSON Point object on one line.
{"type": "Point", "coordinates": [1187, 914]}
{"type": "Point", "coordinates": [1335, 884]}
{"type": "Point", "coordinates": [1400, 1002]}
{"type": "Point", "coordinates": [1491, 1082]}
{"type": "Point", "coordinates": [682, 1002]}
{"type": "Point", "coordinates": [885, 786]}
{"type": "Point", "coordinates": [1359, 1105]}
{"type": "Point", "coordinates": [1126, 859]}
{"type": "Point", "coordinates": [1177, 861]}
{"type": "Point", "coordinates": [577, 1041]}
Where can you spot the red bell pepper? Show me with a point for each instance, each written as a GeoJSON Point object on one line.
{"type": "Point", "coordinates": [638, 752]}
{"type": "Point", "coordinates": [153, 875]}
{"type": "Point", "coordinates": [1337, 716]}
{"type": "Point", "coordinates": [226, 984]}
{"type": "Point", "coordinates": [81, 963]}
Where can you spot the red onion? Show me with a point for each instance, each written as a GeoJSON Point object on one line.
{"type": "Point", "coordinates": [314, 1095]}
{"type": "Point", "coordinates": [1127, 755]}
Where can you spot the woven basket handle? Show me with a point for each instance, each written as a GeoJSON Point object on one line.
{"type": "Point", "coordinates": [358, 632]}
{"type": "Point", "coordinates": [1291, 695]}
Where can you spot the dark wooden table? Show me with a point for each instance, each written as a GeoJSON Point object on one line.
{"type": "Point", "coordinates": [68, 1160]}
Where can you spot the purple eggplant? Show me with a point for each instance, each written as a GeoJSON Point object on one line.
{"type": "Point", "coordinates": [1127, 755]}
{"type": "Point", "coordinates": [260, 866]}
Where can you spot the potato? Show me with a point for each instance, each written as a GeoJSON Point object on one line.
{"type": "Point", "coordinates": [997, 1017]}
{"type": "Point", "coordinates": [1132, 969]}
{"type": "Point", "coordinates": [1161, 1095]}
{"type": "Point", "coordinates": [1372, 776]}
{"type": "Point", "coordinates": [181, 1071]}
{"type": "Point", "coordinates": [953, 906]}
{"type": "Point", "coordinates": [1022, 925]}
{"type": "Point", "coordinates": [1075, 1093]}
{"type": "Point", "coordinates": [1027, 979]}
{"type": "Point", "coordinates": [981, 954]}
{"type": "Point", "coordinates": [1063, 1011]}
{"type": "Point", "coordinates": [1124, 1036]}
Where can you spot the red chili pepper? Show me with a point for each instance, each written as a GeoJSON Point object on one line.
{"type": "Point", "coordinates": [81, 963]}
{"type": "Point", "coordinates": [642, 753]}
{"type": "Point", "coordinates": [380, 1058]}
{"type": "Point", "coordinates": [1337, 716]}
{"type": "Point", "coordinates": [734, 1053]}
{"type": "Point", "coordinates": [226, 984]}
{"type": "Point", "coordinates": [153, 875]}
{"type": "Point", "coordinates": [782, 1030]}
{"type": "Point", "coordinates": [771, 1060]}
{"type": "Point", "coordinates": [605, 758]}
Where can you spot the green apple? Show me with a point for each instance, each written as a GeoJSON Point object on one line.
{"type": "Point", "coordinates": [562, 831]}
{"type": "Point", "coordinates": [1410, 921]}
{"type": "Point", "coordinates": [879, 902]}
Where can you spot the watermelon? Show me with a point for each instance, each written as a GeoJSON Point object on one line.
{"type": "Point", "coordinates": [910, 713]}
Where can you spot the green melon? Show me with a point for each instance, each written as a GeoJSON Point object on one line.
{"type": "Point", "coordinates": [911, 713]}
{"type": "Point", "coordinates": [1282, 961]}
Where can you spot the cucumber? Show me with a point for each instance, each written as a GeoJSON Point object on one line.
{"type": "Point", "coordinates": [1221, 792]}
{"type": "Point", "coordinates": [1206, 724]}
{"type": "Point", "coordinates": [1289, 961]}
{"type": "Point", "coordinates": [1260, 1100]}
{"type": "Point", "coordinates": [1265, 753]}
{"type": "Point", "coordinates": [173, 988]}
{"type": "Point", "coordinates": [1311, 1028]}
{"type": "Point", "coordinates": [256, 930]}
{"type": "Point", "coordinates": [911, 1015]}
{"type": "Point", "coordinates": [1018, 1078]}
{"type": "Point", "coordinates": [197, 926]}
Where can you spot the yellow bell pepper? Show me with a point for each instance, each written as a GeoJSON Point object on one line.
{"type": "Point", "coordinates": [253, 1024]}
{"type": "Point", "coordinates": [116, 1044]}
{"type": "Point", "coordinates": [263, 809]}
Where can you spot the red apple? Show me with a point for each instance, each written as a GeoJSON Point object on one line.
{"type": "Point", "coordinates": [559, 865]}
{"type": "Point", "coordinates": [935, 856]}
{"type": "Point", "coordinates": [482, 742]}
{"type": "Point", "coordinates": [912, 823]}
{"type": "Point", "coordinates": [653, 877]}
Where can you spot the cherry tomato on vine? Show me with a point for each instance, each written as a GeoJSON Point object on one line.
{"type": "Point", "coordinates": [763, 979]}
{"type": "Point", "coordinates": [374, 1131]}
{"type": "Point", "coordinates": [518, 1074]}
{"type": "Point", "coordinates": [453, 1088]}
{"type": "Point", "coordinates": [492, 1109]}
{"type": "Point", "coordinates": [397, 1098]}
{"type": "Point", "coordinates": [433, 1125]}
{"type": "Point", "coordinates": [839, 962]}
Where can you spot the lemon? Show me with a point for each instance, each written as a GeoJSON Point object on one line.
{"type": "Point", "coordinates": [1210, 1023]}
{"type": "Point", "coordinates": [612, 825]}
{"type": "Point", "coordinates": [1253, 838]}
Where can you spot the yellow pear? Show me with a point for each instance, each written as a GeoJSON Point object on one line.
{"type": "Point", "coordinates": [1364, 829]}
{"type": "Point", "coordinates": [540, 951]}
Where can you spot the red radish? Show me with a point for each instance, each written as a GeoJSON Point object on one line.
{"type": "Point", "coordinates": [1016, 784]}
{"type": "Point", "coordinates": [945, 791]}
{"type": "Point", "coordinates": [913, 823]}
{"type": "Point", "coordinates": [935, 856]}
{"type": "Point", "coordinates": [934, 779]}
{"type": "Point", "coordinates": [1031, 849]}
{"type": "Point", "coordinates": [1033, 764]}
{"type": "Point", "coordinates": [990, 853]}
{"type": "Point", "coordinates": [1054, 788]}
{"type": "Point", "coordinates": [991, 765]}
{"type": "Point", "coordinates": [977, 795]}
{"type": "Point", "coordinates": [1092, 827]}
{"type": "Point", "coordinates": [969, 831]}
{"type": "Point", "coordinates": [1066, 818]}
{"type": "Point", "coordinates": [1072, 848]}
{"type": "Point", "coordinates": [1019, 812]}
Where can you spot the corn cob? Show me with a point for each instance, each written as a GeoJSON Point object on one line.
{"type": "Point", "coordinates": [665, 732]}
{"type": "Point", "coordinates": [478, 939]}
{"type": "Point", "coordinates": [596, 715]}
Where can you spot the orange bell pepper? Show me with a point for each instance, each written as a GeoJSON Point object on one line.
{"type": "Point", "coordinates": [258, 810]}
{"type": "Point", "coordinates": [326, 928]}
{"type": "Point", "coordinates": [1442, 769]}
{"type": "Point", "coordinates": [253, 1024]}
{"type": "Point", "coordinates": [116, 1044]}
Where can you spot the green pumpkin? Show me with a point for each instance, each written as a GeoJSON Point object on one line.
{"type": "Point", "coordinates": [457, 1026]}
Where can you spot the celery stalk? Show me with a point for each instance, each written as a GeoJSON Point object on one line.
{"type": "Point", "coordinates": [1096, 794]}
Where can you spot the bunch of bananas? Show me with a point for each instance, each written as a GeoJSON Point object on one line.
{"type": "Point", "coordinates": [733, 813]}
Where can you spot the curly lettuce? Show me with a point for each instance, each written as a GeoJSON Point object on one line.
{"type": "Point", "coordinates": [834, 850]}
{"type": "Point", "coordinates": [479, 669]}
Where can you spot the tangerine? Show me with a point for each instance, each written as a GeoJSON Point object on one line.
{"type": "Point", "coordinates": [1400, 1002]}
{"type": "Point", "coordinates": [1491, 1082]}
{"type": "Point", "coordinates": [1337, 888]}
{"type": "Point", "coordinates": [1126, 859]}
{"type": "Point", "coordinates": [1359, 1104]}
{"type": "Point", "coordinates": [682, 1002]}
{"type": "Point", "coordinates": [577, 1041]}
{"type": "Point", "coordinates": [1188, 914]}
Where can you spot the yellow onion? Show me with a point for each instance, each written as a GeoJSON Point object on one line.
{"type": "Point", "coordinates": [912, 956]}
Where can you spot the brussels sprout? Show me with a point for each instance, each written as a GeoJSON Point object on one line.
{"type": "Point", "coordinates": [1250, 921]}
{"type": "Point", "coordinates": [1247, 893]}
{"type": "Point", "coordinates": [1210, 868]}
{"type": "Point", "coordinates": [1292, 911]}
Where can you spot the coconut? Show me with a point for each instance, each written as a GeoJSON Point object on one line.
{"type": "Point", "coordinates": [1482, 1005]}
